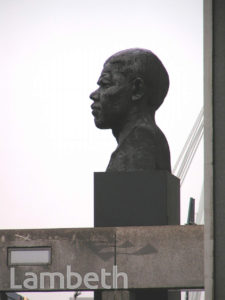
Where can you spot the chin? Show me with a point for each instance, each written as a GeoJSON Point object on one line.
{"type": "Point", "coordinates": [101, 125]}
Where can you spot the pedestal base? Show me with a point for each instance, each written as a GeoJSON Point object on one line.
{"type": "Point", "coordinates": [137, 199]}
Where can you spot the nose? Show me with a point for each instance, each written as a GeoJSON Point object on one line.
{"type": "Point", "coordinates": [94, 95]}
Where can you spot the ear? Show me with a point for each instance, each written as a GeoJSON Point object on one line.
{"type": "Point", "coordinates": [137, 89]}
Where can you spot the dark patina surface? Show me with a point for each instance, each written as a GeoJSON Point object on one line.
{"type": "Point", "coordinates": [132, 86]}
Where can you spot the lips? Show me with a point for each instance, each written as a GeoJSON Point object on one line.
{"type": "Point", "coordinates": [95, 112]}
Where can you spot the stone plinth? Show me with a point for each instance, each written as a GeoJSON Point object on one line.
{"type": "Point", "coordinates": [136, 199]}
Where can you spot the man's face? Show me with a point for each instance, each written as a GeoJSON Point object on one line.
{"type": "Point", "coordinates": [112, 98]}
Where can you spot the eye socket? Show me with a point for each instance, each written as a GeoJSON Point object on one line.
{"type": "Point", "coordinates": [104, 84]}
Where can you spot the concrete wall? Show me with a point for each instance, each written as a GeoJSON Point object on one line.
{"type": "Point", "coordinates": [219, 146]}
{"type": "Point", "coordinates": [151, 256]}
{"type": "Point", "coordinates": [214, 45]}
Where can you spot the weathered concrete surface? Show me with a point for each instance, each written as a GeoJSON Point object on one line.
{"type": "Point", "coordinates": [152, 257]}
{"type": "Point", "coordinates": [164, 256]}
{"type": "Point", "coordinates": [218, 46]}
{"type": "Point", "coordinates": [85, 250]}
{"type": "Point", "coordinates": [214, 183]}
{"type": "Point", "coordinates": [208, 149]}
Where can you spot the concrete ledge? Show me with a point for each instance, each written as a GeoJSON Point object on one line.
{"type": "Point", "coordinates": [152, 256]}
{"type": "Point", "coordinates": [161, 257]}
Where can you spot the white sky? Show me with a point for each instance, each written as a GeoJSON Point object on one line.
{"type": "Point", "coordinates": [51, 55]}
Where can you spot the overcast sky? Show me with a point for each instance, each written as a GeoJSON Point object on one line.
{"type": "Point", "coordinates": [51, 55]}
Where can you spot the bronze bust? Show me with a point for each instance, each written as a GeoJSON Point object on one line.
{"type": "Point", "coordinates": [132, 86]}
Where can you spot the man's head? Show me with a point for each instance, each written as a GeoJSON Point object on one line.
{"type": "Point", "coordinates": [133, 78]}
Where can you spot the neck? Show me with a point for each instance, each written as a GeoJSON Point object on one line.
{"type": "Point", "coordinates": [134, 117]}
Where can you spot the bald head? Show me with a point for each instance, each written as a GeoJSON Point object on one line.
{"type": "Point", "coordinates": [136, 62]}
